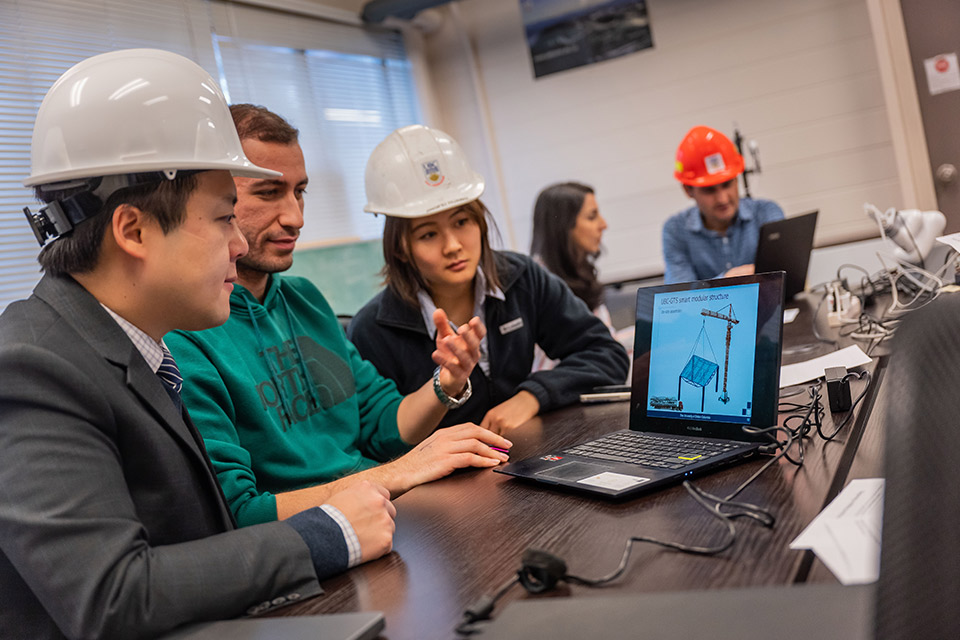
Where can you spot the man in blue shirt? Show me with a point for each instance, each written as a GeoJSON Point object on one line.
{"type": "Point", "coordinates": [718, 237]}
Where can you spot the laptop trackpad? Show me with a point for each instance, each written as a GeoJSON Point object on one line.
{"type": "Point", "coordinates": [592, 474]}
{"type": "Point", "coordinates": [573, 470]}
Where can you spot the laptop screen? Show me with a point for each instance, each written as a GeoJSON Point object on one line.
{"type": "Point", "coordinates": [785, 245]}
{"type": "Point", "coordinates": [707, 356]}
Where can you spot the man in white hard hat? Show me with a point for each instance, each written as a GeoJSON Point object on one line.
{"type": "Point", "coordinates": [112, 524]}
{"type": "Point", "coordinates": [289, 411]}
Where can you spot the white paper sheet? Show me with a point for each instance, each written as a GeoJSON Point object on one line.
{"type": "Point", "coordinates": [943, 73]}
{"type": "Point", "coordinates": [952, 240]}
{"type": "Point", "coordinates": [789, 315]}
{"type": "Point", "coordinates": [791, 374]}
{"type": "Point", "coordinates": [846, 535]}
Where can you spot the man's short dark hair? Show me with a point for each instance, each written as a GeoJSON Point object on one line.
{"type": "Point", "coordinates": [79, 250]}
{"type": "Point", "coordinates": [259, 123]}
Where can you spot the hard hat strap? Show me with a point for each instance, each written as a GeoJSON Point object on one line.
{"type": "Point", "coordinates": [59, 217]}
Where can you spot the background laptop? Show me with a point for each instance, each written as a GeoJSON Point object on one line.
{"type": "Point", "coordinates": [706, 363]}
{"type": "Point", "coordinates": [785, 245]}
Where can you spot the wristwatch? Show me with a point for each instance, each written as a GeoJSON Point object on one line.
{"type": "Point", "coordinates": [448, 402]}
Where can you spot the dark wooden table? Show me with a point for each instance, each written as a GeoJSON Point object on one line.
{"type": "Point", "coordinates": [462, 537]}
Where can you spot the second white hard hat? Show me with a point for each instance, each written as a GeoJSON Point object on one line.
{"type": "Point", "coordinates": [417, 171]}
{"type": "Point", "coordinates": [135, 111]}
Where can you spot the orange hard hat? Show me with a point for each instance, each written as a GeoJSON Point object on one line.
{"type": "Point", "coordinates": [706, 157]}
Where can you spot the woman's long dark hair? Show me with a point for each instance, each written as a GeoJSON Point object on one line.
{"type": "Point", "coordinates": [554, 217]}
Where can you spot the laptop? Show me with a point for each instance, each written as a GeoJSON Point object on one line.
{"type": "Point", "coordinates": [785, 245]}
{"type": "Point", "coordinates": [706, 363]}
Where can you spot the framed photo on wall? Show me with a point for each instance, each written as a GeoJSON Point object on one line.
{"type": "Point", "coordinates": [564, 34]}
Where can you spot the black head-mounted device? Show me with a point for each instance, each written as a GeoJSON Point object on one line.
{"type": "Point", "coordinates": [59, 217]}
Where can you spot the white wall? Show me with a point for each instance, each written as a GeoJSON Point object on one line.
{"type": "Point", "coordinates": [799, 77]}
{"type": "Point", "coordinates": [459, 98]}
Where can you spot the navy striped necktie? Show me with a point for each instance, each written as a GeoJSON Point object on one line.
{"type": "Point", "coordinates": [170, 376]}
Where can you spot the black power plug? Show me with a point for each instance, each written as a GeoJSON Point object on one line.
{"type": "Point", "coordinates": [541, 571]}
{"type": "Point", "coordinates": [838, 389]}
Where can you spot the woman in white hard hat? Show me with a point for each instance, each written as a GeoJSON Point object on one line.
{"type": "Point", "coordinates": [438, 255]}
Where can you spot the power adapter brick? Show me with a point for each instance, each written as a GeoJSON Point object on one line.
{"type": "Point", "coordinates": [838, 389]}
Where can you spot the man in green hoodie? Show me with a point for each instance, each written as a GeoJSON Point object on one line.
{"type": "Point", "coordinates": [288, 410]}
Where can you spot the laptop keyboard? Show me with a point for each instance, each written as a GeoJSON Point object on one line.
{"type": "Point", "coordinates": [650, 450]}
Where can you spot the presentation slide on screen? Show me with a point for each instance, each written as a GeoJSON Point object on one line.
{"type": "Point", "coordinates": [702, 354]}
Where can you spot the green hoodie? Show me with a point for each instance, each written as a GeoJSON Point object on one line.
{"type": "Point", "coordinates": [262, 442]}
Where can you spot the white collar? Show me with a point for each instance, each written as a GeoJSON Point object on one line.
{"type": "Point", "coordinates": [150, 349]}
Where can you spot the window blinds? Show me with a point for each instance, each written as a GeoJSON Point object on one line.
{"type": "Point", "coordinates": [345, 87]}
{"type": "Point", "coordinates": [38, 42]}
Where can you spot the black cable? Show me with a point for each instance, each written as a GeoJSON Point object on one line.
{"type": "Point", "coordinates": [713, 510]}
{"type": "Point", "coordinates": [846, 419]}
{"type": "Point", "coordinates": [869, 328]}
{"type": "Point", "coordinates": [747, 509]}
{"type": "Point", "coordinates": [784, 448]}
{"type": "Point", "coordinates": [810, 416]}
{"type": "Point", "coordinates": [482, 608]}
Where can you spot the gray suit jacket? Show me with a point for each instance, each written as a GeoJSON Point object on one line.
{"type": "Point", "coordinates": [112, 524]}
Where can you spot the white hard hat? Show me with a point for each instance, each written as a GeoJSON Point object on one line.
{"type": "Point", "coordinates": [135, 111]}
{"type": "Point", "coordinates": [417, 171]}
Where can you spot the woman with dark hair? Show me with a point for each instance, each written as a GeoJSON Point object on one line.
{"type": "Point", "coordinates": [567, 230]}
{"type": "Point", "coordinates": [438, 256]}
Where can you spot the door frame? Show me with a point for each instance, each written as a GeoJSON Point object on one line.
{"type": "Point", "coordinates": [917, 189]}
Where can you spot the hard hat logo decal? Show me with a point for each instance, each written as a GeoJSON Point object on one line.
{"type": "Point", "coordinates": [714, 163]}
{"type": "Point", "coordinates": [431, 170]}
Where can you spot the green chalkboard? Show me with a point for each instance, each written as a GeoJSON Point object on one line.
{"type": "Point", "coordinates": [347, 274]}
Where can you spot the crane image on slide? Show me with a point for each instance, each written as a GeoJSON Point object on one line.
{"type": "Point", "coordinates": [731, 320]}
{"type": "Point", "coordinates": [700, 369]}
